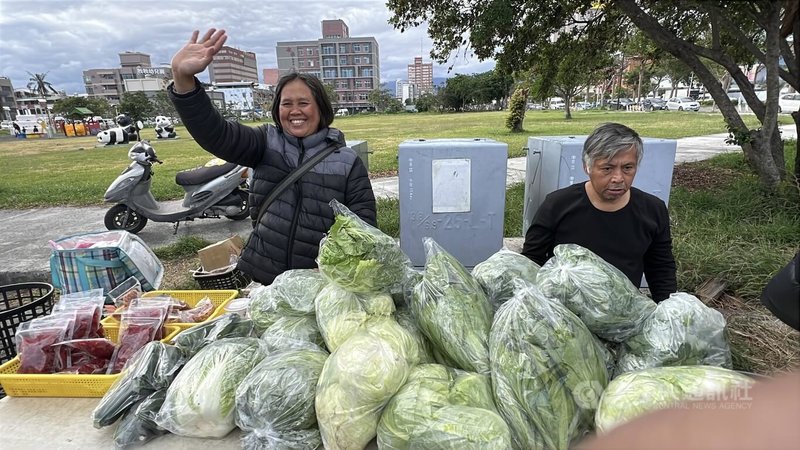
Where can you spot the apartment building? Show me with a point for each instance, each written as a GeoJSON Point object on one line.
{"type": "Point", "coordinates": [351, 65]}
{"type": "Point", "coordinates": [420, 74]}
{"type": "Point", "coordinates": [231, 65]}
{"type": "Point", "coordinates": [8, 105]}
{"type": "Point", "coordinates": [111, 83]}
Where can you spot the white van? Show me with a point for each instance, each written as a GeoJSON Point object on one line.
{"type": "Point", "coordinates": [342, 112]}
{"type": "Point", "coordinates": [557, 103]}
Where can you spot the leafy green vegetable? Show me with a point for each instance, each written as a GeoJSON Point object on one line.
{"type": "Point", "coordinates": [452, 311]}
{"type": "Point", "coordinates": [635, 393]}
{"type": "Point", "coordinates": [357, 381]}
{"type": "Point", "coordinates": [499, 274]}
{"type": "Point", "coordinates": [441, 408]}
{"type": "Point", "coordinates": [201, 400]}
{"type": "Point", "coordinates": [228, 325]}
{"type": "Point", "coordinates": [359, 257]}
{"type": "Point", "coordinates": [293, 332]}
{"type": "Point", "coordinates": [682, 331]}
{"type": "Point", "coordinates": [547, 372]}
{"type": "Point", "coordinates": [406, 320]}
{"type": "Point", "coordinates": [275, 402]}
{"type": "Point", "coordinates": [291, 293]}
{"type": "Point", "coordinates": [341, 313]}
{"type": "Point", "coordinates": [597, 292]}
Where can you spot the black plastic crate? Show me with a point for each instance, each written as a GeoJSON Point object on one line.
{"type": "Point", "coordinates": [232, 278]}
{"type": "Point", "coordinates": [21, 303]}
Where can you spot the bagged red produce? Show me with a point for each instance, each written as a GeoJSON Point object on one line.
{"type": "Point", "coordinates": [37, 347]}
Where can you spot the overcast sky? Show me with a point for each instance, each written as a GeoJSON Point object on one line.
{"type": "Point", "coordinates": [65, 38]}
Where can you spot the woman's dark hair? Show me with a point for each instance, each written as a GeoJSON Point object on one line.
{"type": "Point", "coordinates": [317, 90]}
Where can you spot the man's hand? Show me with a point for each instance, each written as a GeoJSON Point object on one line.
{"type": "Point", "coordinates": [194, 57]}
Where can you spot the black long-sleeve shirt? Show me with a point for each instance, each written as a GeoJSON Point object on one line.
{"type": "Point", "coordinates": [635, 239]}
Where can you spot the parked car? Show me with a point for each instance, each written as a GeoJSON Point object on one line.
{"type": "Point", "coordinates": [619, 103]}
{"type": "Point", "coordinates": [682, 104]}
{"type": "Point", "coordinates": [789, 103]}
{"type": "Point", "coordinates": [6, 125]}
{"type": "Point", "coordinates": [583, 105]}
{"type": "Point", "coordinates": [654, 104]}
{"type": "Point", "coordinates": [557, 103]}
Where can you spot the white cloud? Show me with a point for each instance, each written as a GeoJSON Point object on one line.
{"type": "Point", "coordinates": [65, 38]}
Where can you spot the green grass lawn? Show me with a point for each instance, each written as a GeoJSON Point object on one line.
{"type": "Point", "coordinates": [72, 171]}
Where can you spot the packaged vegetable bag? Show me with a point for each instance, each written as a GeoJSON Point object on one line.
{"type": "Point", "coordinates": [499, 273]}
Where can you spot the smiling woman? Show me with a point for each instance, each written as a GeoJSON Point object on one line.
{"type": "Point", "coordinates": [289, 220]}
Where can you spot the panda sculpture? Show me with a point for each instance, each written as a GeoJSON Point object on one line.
{"type": "Point", "coordinates": [113, 136]}
{"type": "Point", "coordinates": [164, 128]}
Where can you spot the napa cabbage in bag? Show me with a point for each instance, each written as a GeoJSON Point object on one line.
{"type": "Point", "coordinates": [597, 292]}
{"type": "Point", "coordinates": [499, 273]}
{"type": "Point", "coordinates": [547, 371]}
{"type": "Point", "coordinates": [359, 257]}
{"type": "Point", "coordinates": [291, 293]}
{"type": "Point", "coordinates": [341, 313]}
{"type": "Point", "coordinates": [682, 331]}
{"type": "Point", "coordinates": [357, 381]}
{"type": "Point", "coordinates": [452, 311]}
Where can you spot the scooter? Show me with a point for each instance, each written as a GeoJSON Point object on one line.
{"type": "Point", "coordinates": [211, 192]}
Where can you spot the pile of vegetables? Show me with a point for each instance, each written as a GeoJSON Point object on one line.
{"type": "Point", "coordinates": [508, 356]}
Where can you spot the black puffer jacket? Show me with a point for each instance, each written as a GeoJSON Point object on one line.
{"type": "Point", "coordinates": [289, 233]}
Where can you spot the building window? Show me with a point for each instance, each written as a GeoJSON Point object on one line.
{"type": "Point", "coordinates": [342, 60]}
{"type": "Point", "coordinates": [342, 84]}
{"type": "Point", "coordinates": [310, 63]}
{"type": "Point", "coordinates": [348, 72]}
{"type": "Point", "coordinates": [342, 48]}
{"type": "Point", "coordinates": [328, 49]}
{"type": "Point", "coordinates": [368, 84]}
{"type": "Point", "coordinates": [365, 59]}
{"type": "Point", "coordinates": [366, 72]}
{"type": "Point", "coordinates": [357, 60]}
{"type": "Point", "coordinates": [366, 48]}
{"type": "Point", "coordinates": [302, 63]}
{"type": "Point", "coordinates": [356, 47]}
{"type": "Point", "coordinates": [301, 52]}
{"type": "Point", "coordinates": [362, 97]}
{"type": "Point", "coordinates": [328, 62]}
{"type": "Point", "coordinates": [329, 73]}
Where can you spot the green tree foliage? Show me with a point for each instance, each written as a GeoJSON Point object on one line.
{"type": "Point", "coordinates": [727, 32]}
{"type": "Point", "coordinates": [516, 110]}
{"type": "Point", "coordinates": [136, 105]}
{"type": "Point", "coordinates": [458, 92]}
{"type": "Point", "coordinates": [66, 106]}
{"type": "Point", "coordinates": [383, 100]}
{"type": "Point", "coordinates": [332, 95]}
{"type": "Point", "coordinates": [428, 102]}
{"type": "Point", "coordinates": [162, 105]}
{"type": "Point", "coordinates": [41, 87]}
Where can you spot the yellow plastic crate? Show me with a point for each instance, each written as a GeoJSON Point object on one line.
{"type": "Point", "coordinates": [62, 385]}
{"type": "Point", "coordinates": [218, 297]}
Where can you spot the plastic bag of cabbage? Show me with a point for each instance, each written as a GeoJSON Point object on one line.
{"type": "Point", "coordinates": [357, 381]}
{"type": "Point", "coordinates": [547, 371]}
{"type": "Point", "coordinates": [406, 320]}
{"type": "Point", "coordinates": [292, 293]}
{"type": "Point", "coordinates": [499, 273]}
{"type": "Point", "coordinates": [292, 332]}
{"type": "Point", "coordinates": [341, 313]}
{"type": "Point", "coordinates": [441, 408]}
{"type": "Point", "coordinates": [597, 292]}
{"type": "Point", "coordinates": [452, 311]}
{"type": "Point", "coordinates": [359, 257]}
{"type": "Point", "coordinates": [636, 393]}
{"type": "Point", "coordinates": [201, 400]}
{"type": "Point", "coordinates": [682, 331]}
{"type": "Point", "coordinates": [275, 402]}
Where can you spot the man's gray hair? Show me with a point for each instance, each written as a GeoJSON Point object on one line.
{"type": "Point", "coordinates": [609, 139]}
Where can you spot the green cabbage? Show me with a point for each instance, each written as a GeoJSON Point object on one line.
{"type": "Point", "coordinates": [292, 293]}
{"type": "Point", "coordinates": [547, 371]}
{"type": "Point", "coordinates": [597, 292]}
{"type": "Point", "coordinates": [441, 408]}
{"type": "Point", "coordinates": [681, 332]}
{"type": "Point", "coordinates": [635, 393]}
{"type": "Point", "coordinates": [501, 271]}
{"type": "Point", "coordinates": [228, 325]}
{"type": "Point", "coordinates": [452, 311]}
{"type": "Point", "coordinates": [357, 381]}
{"type": "Point", "coordinates": [341, 313]}
{"type": "Point", "coordinates": [275, 402]}
{"type": "Point", "coordinates": [292, 332]}
{"type": "Point", "coordinates": [406, 320]}
{"type": "Point", "coordinates": [201, 400]}
{"type": "Point", "coordinates": [359, 257]}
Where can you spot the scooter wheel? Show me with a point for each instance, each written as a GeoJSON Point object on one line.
{"type": "Point", "coordinates": [120, 217]}
{"type": "Point", "coordinates": [245, 211]}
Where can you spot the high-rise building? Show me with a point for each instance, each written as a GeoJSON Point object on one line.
{"type": "Point", "coordinates": [351, 65]}
{"type": "Point", "coordinates": [8, 105]}
{"type": "Point", "coordinates": [420, 74]}
{"type": "Point", "coordinates": [231, 65]}
{"type": "Point", "coordinates": [111, 83]}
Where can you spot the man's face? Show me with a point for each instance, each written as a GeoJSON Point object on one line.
{"type": "Point", "coordinates": [299, 114]}
{"type": "Point", "coordinates": [611, 179]}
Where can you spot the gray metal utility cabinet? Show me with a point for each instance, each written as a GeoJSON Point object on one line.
{"type": "Point", "coordinates": [555, 162]}
{"type": "Point", "coordinates": [452, 190]}
{"type": "Point", "coordinates": [362, 150]}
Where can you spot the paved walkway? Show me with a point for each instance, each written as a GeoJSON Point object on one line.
{"type": "Point", "coordinates": [24, 253]}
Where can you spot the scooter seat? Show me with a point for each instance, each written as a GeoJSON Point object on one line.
{"type": "Point", "coordinates": [200, 175]}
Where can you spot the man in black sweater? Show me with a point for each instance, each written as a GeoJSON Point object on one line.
{"type": "Point", "coordinates": [625, 226]}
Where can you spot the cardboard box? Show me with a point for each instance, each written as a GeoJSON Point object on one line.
{"type": "Point", "coordinates": [219, 255]}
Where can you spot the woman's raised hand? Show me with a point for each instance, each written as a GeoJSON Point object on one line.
{"type": "Point", "coordinates": [195, 56]}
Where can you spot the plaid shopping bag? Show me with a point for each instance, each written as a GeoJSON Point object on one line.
{"type": "Point", "coordinates": [123, 256]}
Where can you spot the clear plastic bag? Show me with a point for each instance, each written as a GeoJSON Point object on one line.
{"type": "Point", "coordinates": [597, 292]}
{"type": "Point", "coordinates": [291, 332]}
{"type": "Point", "coordinates": [134, 333]}
{"type": "Point", "coordinates": [291, 293]}
{"type": "Point", "coordinates": [196, 338]}
{"type": "Point", "coordinates": [499, 273]}
{"type": "Point", "coordinates": [453, 311]}
{"type": "Point", "coordinates": [341, 313]}
{"type": "Point", "coordinates": [359, 257]}
{"type": "Point", "coordinates": [37, 344]}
